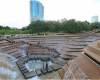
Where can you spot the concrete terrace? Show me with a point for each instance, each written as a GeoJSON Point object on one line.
{"type": "Point", "coordinates": [63, 48]}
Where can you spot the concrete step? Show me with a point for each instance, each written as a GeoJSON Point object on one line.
{"type": "Point", "coordinates": [92, 54]}
{"type": "Point", "coordinates": [38, 72]}
{"type": "Point", "coordinates": [29, 74]}
{"type": "Point", "coordinates": [94, 49]}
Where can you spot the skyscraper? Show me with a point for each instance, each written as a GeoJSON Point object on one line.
{"type": "Point", "coordinates": [94, 19]}
{"type": "Point", "coordinates": [36, 10]}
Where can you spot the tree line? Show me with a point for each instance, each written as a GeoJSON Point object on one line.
{"type": "Point", "coordinates": [6, 30]}
{"type": "Point", "coordinates": [66, 26]}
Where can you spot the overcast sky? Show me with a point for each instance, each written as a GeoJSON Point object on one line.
{"type": "Point", "coordinates": [15, 13]}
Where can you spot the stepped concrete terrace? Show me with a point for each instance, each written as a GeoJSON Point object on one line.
{"type": "Point", "coordinates": [86, 66]}
{"type": "Point", "coordinates": [59, 49]}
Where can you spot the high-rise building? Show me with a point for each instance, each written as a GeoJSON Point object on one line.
{"type": "Point", "coordinates": [36, 10]}
{"type": "Point", "coordinates": [94, 19]}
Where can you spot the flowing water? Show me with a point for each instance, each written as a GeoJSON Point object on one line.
{"type": "Point", "coordinates": [32, 65]}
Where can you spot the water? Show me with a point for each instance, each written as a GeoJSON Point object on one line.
{"type": "Point", "coordinates": [8, 72]}
{"type": "Point", "coordinates": [35, 78]}
{"type": "Point", "coordinates": [33, 65]}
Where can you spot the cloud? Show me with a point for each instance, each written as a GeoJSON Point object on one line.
{"type": "Point", "coordinates": [16, 13]}
{"type": "Point", "coordinates": [78, 9]}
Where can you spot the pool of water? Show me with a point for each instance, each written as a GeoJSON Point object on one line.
{"type": "Point", "coordinates": [35, 78]}
{"type": "Point", "coordinates": [54, 76]}
{"type": "Point", "coordinates": [33, 65]}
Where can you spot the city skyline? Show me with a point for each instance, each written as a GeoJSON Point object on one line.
{"type": "Point", "coordinates": [16, 13]}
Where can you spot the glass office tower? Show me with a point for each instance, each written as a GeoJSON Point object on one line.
{"type": "Point", "coordinates": [36, 10]}
{"type": "Point", "coordinates": [94, 19]}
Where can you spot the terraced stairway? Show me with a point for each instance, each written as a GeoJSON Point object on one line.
{"type": "Point", "coordinates": [86, 66]}
{"type": "Point", "coordinates": [68, 48]}
{"type": "Point", "coordinates": [93, 51]}
{"type": "Point", "coordinates": [10, 48]}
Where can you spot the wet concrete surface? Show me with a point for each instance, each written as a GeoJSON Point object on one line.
{"type": "Point", "coordinates": [65, 45]}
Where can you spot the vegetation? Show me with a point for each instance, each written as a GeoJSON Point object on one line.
{"type": "Point", "coordinates": [5, 30]}
{"type": "Point", "coordinates": [67, 26]}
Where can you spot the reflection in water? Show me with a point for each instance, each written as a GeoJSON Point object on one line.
{"type": "Point", "coordinates": [33, 65]}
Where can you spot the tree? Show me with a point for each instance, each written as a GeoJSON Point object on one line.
{"type": "Point", "coordinates": [95, 25]}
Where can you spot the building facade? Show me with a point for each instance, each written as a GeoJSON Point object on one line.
{"type": "Point", "coordinates": [94, 19]}
{"type": "Point", "coordinates": [36, 10]}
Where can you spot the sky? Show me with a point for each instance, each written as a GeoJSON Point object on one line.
{"type": "Point", "coordinates": [16, 13]}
